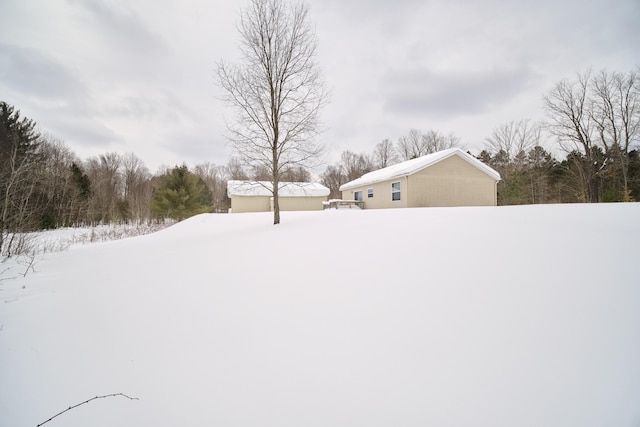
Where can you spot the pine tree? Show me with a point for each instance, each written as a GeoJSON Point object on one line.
{"type": "Point", "coordinates": [18, 136]}
{"type": "Point", "coordinates": [181, 194]}
{"type": "Point", "coordinates": [19, 163]}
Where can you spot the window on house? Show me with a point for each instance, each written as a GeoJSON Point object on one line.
{"type": "Point", "coordinates": [370, 193]}
{"type": "Point", "coordinates": [395, 191]}
{"type": "Point", "coordinates": [357, 196]}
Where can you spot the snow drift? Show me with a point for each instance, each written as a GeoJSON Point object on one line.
{"type": "Point", "coordinates": [501, 316]}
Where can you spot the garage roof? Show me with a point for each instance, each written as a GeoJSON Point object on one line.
{"type": "Point", "coordinates": [286, 189]}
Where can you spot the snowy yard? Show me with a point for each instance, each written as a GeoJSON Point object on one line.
{"type": "Point", "coordinates": [508, 316]}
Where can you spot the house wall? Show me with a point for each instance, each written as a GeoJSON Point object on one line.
{"type": "Point", "coordinates": [241, 204]}
{"type": "Point", "coordinates": [381, 195]}
{"type": "Point", "coordinates": [450, 182]}
{"type": "Point", "coordinates": [301, 203]}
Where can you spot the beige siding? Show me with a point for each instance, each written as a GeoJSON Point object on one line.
{"type": "Point", "coordinates": [451, 182]}
{"type": "Point", "coordinates": [241, 204]}
{"type": "Point", "coordinates": [381, 195]}
{"type": "Point", "coordinates": [250, 204]}
{"type": "Point", "coordinates": [301, 203]}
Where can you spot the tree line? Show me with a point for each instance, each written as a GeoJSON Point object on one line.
{"type": "Point", "coordinates": [592, 120]}
{"type": "Point", "coordinates": [45, 185]}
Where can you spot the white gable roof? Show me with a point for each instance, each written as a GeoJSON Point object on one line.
{"type": "Point", "coordinates": [414, 165]}
{"type": "Point", "coordinates": [286, 189]}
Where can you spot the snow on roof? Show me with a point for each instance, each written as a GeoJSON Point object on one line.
{"type": "Point", "coordinates": [414, 165]}
{"type": "Point", "coordinates": [286, 189]}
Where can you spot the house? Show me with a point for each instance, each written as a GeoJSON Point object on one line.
{"type": "Point", "coordinates": [256, 196]}
{"type": "Point", "coordinates": [446, 178]}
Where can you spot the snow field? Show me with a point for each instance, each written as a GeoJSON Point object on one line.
{"type": "Point", "coordinates": [445, 316]}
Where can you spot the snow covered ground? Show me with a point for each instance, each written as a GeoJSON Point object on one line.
{"type": "Point", "coordinates": [508, 316]}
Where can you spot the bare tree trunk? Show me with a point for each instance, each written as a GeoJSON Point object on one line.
{"type": "Point", "coordinates": [275, 182]}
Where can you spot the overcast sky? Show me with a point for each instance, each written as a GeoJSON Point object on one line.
{"type": "Point", "coordinates": [139, 75]}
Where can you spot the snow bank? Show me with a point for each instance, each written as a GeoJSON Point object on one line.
{"type": "Point", "coordinates": [521, 316]}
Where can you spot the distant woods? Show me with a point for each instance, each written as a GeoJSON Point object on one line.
{"type": "Point", "coordinates": [592, 127]}
{"type": "Point", "coordinates": [44, 185]}
{"type": "Point", "coordinates": [594, 121]}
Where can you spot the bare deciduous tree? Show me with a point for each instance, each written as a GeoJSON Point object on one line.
{"type": "Point", "coordinates": [384, 154]}
{"type": "Point", "coordinates": [137, 188]}
{"type": "Point", "coordinates": [261, 173]}
{"type": "Point", "coordinates": [215, 178]}
{"type": "Point", "coordinates": [354, 165]}
{"type": "Point", "coordinates": [277, 91]}
{"type": "Point", "coordinates": [509, 146]}
{"type": "Point", "coordinates": [514, 140]}
{"type": "Point", "coordinates": [351, 166]}
{"type": "Point", "coordinates": [410, 146]}
{"type": "Point", "coordinates": [58, 193]}
{"type": "Point", "coordinates": [567, 107]}
{"type": "Point", "coordinates": [104, 173]}
{"type": "Point", "coordinates": [615, 110]}
{"type": "Point", "coordinates": [296, 174]}
{"type": "Point", "coordinates": [333, 178]}
{"type": "Point", "coordinates": [235, 170]}
{"type": "Point", "coordinates": [417, 144]}
{"type": "Point", "coordinates": [596, 120]}
{"type": "Point", "coordinates": [434, 141]}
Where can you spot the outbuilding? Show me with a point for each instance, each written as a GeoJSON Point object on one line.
{"type": "Point", "coordinates": [257, 196]}
{"type": "Point", "coordinates": [446, 178]}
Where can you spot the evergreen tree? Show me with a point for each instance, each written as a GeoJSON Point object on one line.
{"type": "Point", "coordinates": [19, 164]}
{"type": "Point", "coordinates": [634, 176]}
{"type": "Point", "coordinates": [18, 136]}
{"type": "Point", "coordinates": [181, 194]}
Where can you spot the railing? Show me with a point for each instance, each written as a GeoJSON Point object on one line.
{"type": "Point", "coordinates": [337, 203]}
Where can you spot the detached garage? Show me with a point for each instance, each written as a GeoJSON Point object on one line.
{"type": "Point", "coordinates": [446, 178]}
{"type": "Point", "coordinates": [257, 196]}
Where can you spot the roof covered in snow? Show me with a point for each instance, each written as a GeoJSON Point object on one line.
{"type": "Point", "coordinates": [286, 189]}
{"type": "Point", "coordinates": [414, 165]}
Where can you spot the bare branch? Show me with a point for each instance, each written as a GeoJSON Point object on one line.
{"type": "Point", "coordinates": [87, 401]}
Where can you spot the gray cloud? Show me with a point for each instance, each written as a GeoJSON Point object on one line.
{"type": "Point", "coordinates": [33, 72]}
{"type": "Point", "coordinates": [62, 102]}
{"type": "Point", "coordinates": [121, 28]}
{"type": "Point", "coordinates": [86, 131]}
{"type": "Point", "coordinates": [161, 106]}
{"type": "Point", "coordinates": [418, 92]}
{"type": "Point", "coordinates": [197, 147]}
{"type": "Point", "coordinates": [138, 75]}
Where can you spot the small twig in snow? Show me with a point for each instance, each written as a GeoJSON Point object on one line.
{"type": "Point", "coordinates": [87, 401]}
{"type": "Point", "coordinates": [4, 271]}
{"type": "Point", "coordinates": [30, 266]}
